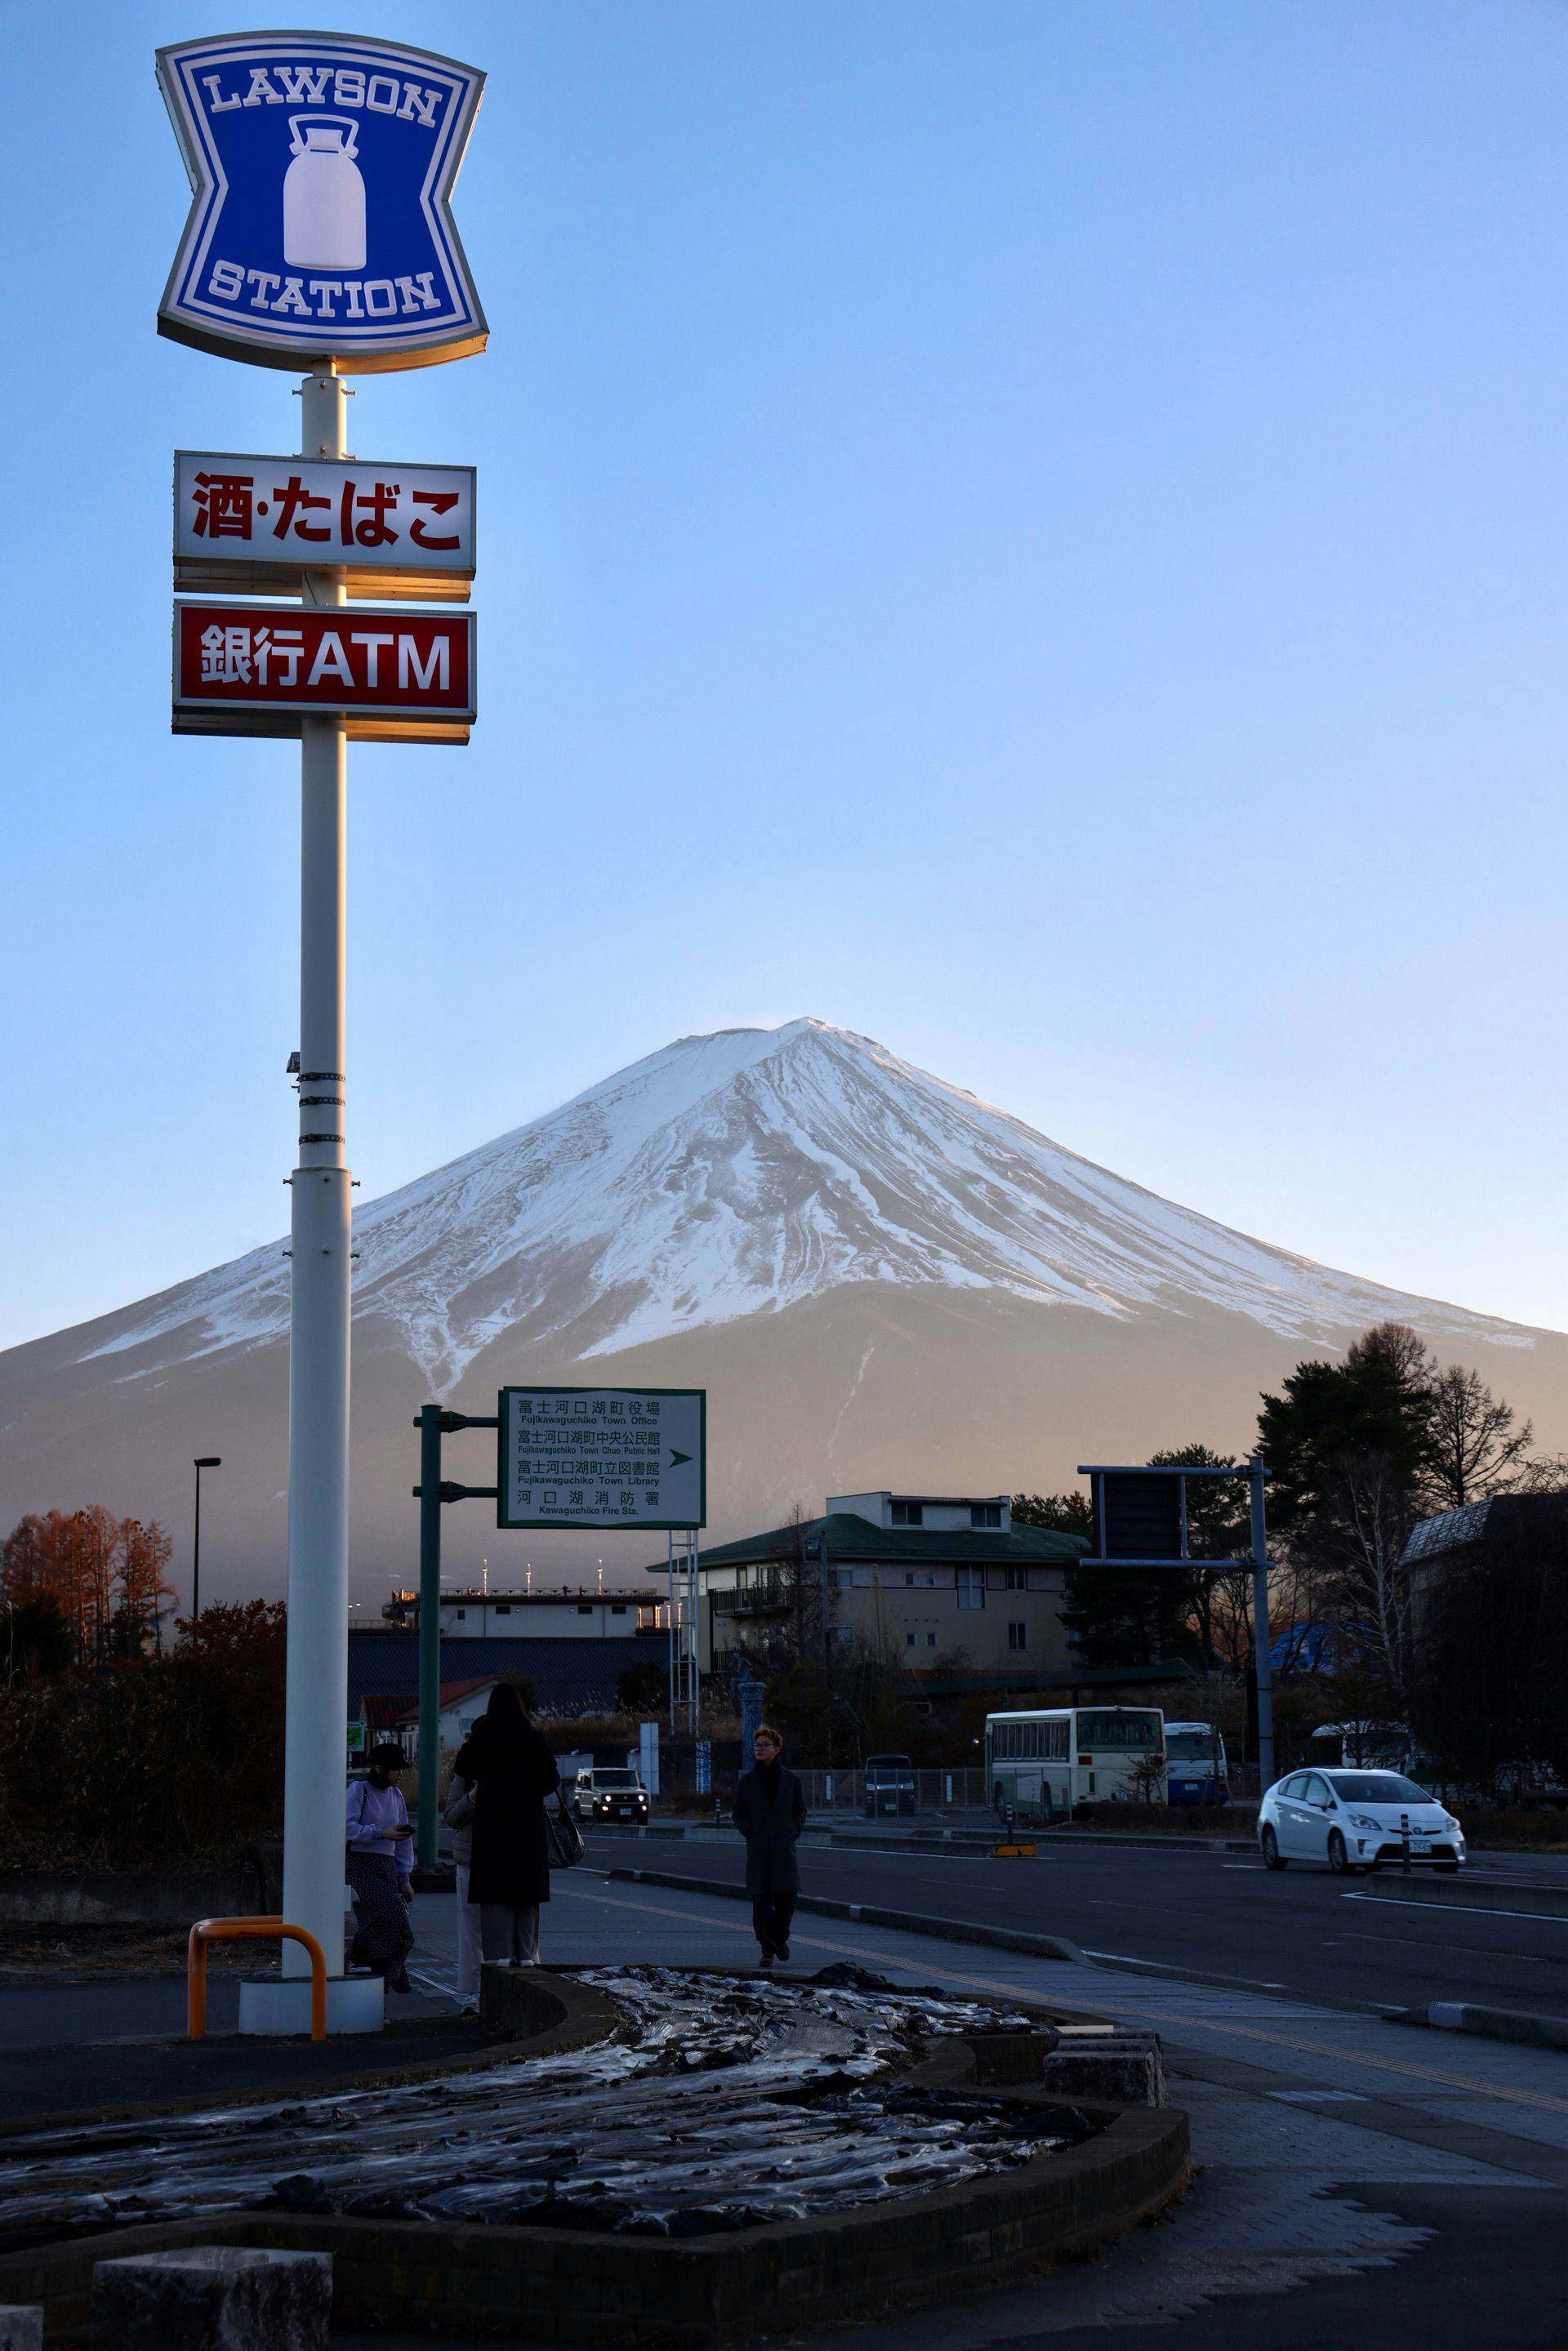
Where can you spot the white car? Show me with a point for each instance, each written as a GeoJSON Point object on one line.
{"type": "Point", "coordinates": [1357, 1820]}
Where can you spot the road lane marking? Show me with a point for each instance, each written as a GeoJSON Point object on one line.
{"type": "Point", "coordinates": [1402, 1902]}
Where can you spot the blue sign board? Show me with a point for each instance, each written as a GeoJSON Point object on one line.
{"type": "Point", "coordinates": [322, 166]}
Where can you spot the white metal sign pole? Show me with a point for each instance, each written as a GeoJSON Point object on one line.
{"type": "Point", "coordinates": [317, 1672]}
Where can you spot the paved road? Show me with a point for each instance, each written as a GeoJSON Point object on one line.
{"type": "Point", "coordinates": [1216, 1917]}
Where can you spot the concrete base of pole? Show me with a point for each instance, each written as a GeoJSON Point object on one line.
{"type": "Point", "coordinates": [354, 2004]}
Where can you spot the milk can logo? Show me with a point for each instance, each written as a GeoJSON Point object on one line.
{"type": "Point", "coordinates": [322, 167]}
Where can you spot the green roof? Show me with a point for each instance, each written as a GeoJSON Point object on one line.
{"type": "Point", "coordinates": [851, 1539]}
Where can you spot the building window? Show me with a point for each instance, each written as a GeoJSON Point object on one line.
{"type": "Point", "coordinates": [1018, 1636]}
{"type": "Point", "coordinates": [909, 1640]}
{"type": "Point", "coordinates": [585, 1607]}
{"type": "Point", "coordinates": [984, 1514]}
{"type": "Point", "coordinates": [503, 1607]}
{"type": "Point", "coordinates": [618, 1608]}
{"type": "Point", "coordinates": [461, 1613]}
{"type": "Point", "coordinates": [908, 1514]}
{"type": "Point", "coordinates": [971, 1583]}
{"type": "Point", "coordinates": [909, 1575]}
{"type": "Point", "coordinates": [930, 1640]}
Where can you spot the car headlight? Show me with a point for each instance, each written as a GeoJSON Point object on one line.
{"type": "Point", "coordinates": [1450, 1822]}
{"type": "Point", "coordinates": [1360, 1820]}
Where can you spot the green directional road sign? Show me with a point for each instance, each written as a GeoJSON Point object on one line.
{"type": "Point", "coordinates": [603, 1457]}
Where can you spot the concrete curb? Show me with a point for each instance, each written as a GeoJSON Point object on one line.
{"type": "Point", "coordinates": [964, 1843]}
{"type": "Point", "coordinates": [1525, 1901]}
{"type": "Point", "coordinates": [1490, 2023]}
{"type": "Point", "coordinates": [554, 2012]}
{"type": "Point", "coordinates": [871, 1914]}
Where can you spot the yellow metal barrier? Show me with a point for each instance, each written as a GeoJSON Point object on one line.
{"type": "Point", "coordinates": [248, 1930]}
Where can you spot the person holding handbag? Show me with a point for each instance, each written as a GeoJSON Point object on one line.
{"type": "Point", "coordinates": [379, 1866]}
{"type": "Point", "coordinates": [512, 1771]}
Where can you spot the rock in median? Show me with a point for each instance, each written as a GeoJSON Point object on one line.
{"type": "Point", "coordinates": [1123, 2068]}
{"type": "Point", "coordinates": [214, 2298]}
{"type": "Point", "coordinates": [21, 2326]}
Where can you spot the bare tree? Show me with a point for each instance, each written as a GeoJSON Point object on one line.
{"type": "Point", "coordinates": [1472, 1444]}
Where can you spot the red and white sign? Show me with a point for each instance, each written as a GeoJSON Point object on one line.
{"type": "Point", "coordinates": [389, 528]}
{"type": "Point", "coordinates": [244, 669]}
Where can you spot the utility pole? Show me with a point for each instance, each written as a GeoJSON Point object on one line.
{"type": "Point", "coordinates": [317, 1668]}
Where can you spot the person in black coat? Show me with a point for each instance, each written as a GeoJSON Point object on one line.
{"type": "Point", "coordinates": [770, 1811]}
{"type": "Point", "coordinates": [512, 1771]}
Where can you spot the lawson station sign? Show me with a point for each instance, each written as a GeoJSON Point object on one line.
{"type": "Point", "coordinates": [322, 166]}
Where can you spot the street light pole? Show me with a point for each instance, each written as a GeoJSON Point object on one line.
{"type": "Point", "coordinates": [1264, 1677]}
{"type": "Point", "coordinates": [205, 1461]}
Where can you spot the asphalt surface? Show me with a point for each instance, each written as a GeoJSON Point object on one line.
{"type": "Point", "coordinates": [1213, 1918]}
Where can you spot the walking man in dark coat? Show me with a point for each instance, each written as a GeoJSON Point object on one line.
{"type": "Point", "coordinates": [770, 1813]}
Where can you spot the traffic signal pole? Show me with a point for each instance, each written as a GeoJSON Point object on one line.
{"type": "Point", "coordinates": [318, 1658]}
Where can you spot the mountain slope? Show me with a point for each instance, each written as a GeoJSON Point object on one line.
{"type": "Point", "coordinates": [741, 1173]}
{"type": "Point", "coordinates": [833, 1227]}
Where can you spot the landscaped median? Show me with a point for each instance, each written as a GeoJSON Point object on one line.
{"type": "Point", "coordinates": [1029, 2180]}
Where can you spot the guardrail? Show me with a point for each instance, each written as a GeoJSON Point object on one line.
{"type": "Point", "coordinates": [961, 1789]}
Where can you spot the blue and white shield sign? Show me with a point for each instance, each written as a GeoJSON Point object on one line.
{"type": "Point", "coordinates": [322, 166]}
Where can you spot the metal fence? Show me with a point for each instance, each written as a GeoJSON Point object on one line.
{"type": "Point", "coordinates": [959, 1791]}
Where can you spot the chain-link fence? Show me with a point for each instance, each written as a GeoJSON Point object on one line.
{"type": "Point", "coordinates": [959, 1791]}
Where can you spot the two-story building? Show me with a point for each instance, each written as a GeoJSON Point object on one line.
{"type": "Point", "coordinates": [572, 1613]}
{"type": "Point", "coordinates": [944, 1581]}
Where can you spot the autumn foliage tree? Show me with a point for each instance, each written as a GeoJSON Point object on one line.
{"type": "Point", "coordinates": [102, 1575]}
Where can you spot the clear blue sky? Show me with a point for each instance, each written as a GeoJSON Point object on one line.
{"type": "Point", "coordinates": [1035, 531]}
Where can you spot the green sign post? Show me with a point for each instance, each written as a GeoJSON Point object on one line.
{"type": "Point", "coordinates": [585, 1458]}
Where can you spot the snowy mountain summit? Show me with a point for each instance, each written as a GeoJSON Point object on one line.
{"type": "Point", "coordinates": [738, 1173]}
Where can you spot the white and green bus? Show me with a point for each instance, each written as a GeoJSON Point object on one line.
{"type": "Point", "coordinates": [1041, 1763]}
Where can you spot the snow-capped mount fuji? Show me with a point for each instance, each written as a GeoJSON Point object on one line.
{"type": "Point", "coordinates": [882, 1279]}
{"type": "Point", "coordinates": [744, 1172]}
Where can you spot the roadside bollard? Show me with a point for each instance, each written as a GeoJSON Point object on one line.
{"type": "Point", "coordinates": [268, 2301]}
